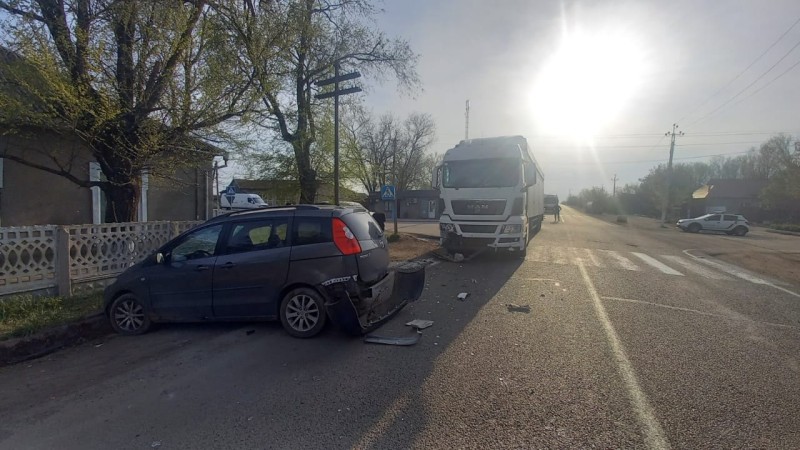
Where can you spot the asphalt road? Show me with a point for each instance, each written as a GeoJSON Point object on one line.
{"type": "Point", "coordinates": [605, 336]}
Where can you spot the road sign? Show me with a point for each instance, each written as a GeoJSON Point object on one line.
{"type": "Point", "coordinates": [230, 194]}
{"type": "Point", "coordinates": [387, 192]}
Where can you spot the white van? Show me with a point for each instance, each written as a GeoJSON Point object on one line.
{"type": "Point", "coordinates": [242, 201]}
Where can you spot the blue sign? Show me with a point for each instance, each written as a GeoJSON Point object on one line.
{"type": "Point", "coordinates": [387, 192]}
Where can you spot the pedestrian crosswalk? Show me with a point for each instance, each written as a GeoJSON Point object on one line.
{"type": "Point", "coordinates": [673, 265]}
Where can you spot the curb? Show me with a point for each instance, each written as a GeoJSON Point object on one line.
{"type": "Point", "coordinates": [787, 233]}
{"type": "Point", "coordinates": [16, 350]}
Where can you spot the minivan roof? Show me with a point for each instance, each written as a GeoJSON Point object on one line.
{"type": "Point", "coordinates": [270, 210]}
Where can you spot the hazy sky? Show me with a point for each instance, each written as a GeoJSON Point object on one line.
{"type": "Point", "coordinates": [594, 85]}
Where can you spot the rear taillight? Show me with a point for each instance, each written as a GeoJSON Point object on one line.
{"type": "Point", "coordinates": [344, 239]}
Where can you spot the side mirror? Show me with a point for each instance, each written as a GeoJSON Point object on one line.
{"type": "Point", "coordinates": [530, 174]}
{"type": "Point", "coordinates": [436, 177]}
{"type": "Point", "coordinates": [160, 258]}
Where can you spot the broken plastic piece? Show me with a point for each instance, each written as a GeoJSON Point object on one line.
{"type": "Point", "coordinates": [388, 340]}
{"type": "Point", "coordinates": [420, 324]}
{"type": "Point", "coordinates": [463, 295]}
{"type": "Point", "coordinates": [517, 308]}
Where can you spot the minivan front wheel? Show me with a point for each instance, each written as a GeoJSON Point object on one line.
{"type": "Point", "coordinates": [303, 312]}
{"type": "Point", "coordinates": [128, 315]}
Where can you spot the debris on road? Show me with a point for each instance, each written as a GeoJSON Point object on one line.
{"type": "Point", "coordinates": [420, 324]}
{"type": "Point", "coordinates": [388, 340]}
{"type": "Point", "coordinates": [463, 296]}
{"type": "Point", "coordinates": [512, 308]}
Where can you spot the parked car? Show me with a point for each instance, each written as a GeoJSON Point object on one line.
{"type": "Point", "coordinates": [729, 223]}
{"type": "Point", "coordinates": [300, 264]}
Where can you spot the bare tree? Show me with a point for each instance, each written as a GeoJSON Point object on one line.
{"type": "Point", "coordinates": [318, 34]}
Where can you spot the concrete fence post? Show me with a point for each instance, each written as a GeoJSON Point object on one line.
{"type": "Point", "coordinates": [63, 262]}
{"type": "Point", "coordinates": [174, 230]}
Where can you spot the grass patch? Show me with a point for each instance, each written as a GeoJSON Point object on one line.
{"type": "Point", "coordinates": [786, 227]}
{"type": "Point", "coordinates": [393, 238]}
{"type": "Point", "coordinates": [23, 315]}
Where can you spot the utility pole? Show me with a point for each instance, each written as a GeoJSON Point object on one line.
{"type": "Point", "coordinates": [667, 195]}
{"type": "Point", "coordinates": [615, 185]}
{"type": "Point", "coordinates": [335, 94]}
{"type": "Point", "coordinates": [394, 177]}
{"type": "Point", "coordinates": [466, 122]}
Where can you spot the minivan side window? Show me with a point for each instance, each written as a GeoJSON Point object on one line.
{"type": "Point", "coordinates": [311, 230]}
{"type": "Point", "coordinates": [257, 235]}
{"type": "Point", "coordinates": [199, 244]}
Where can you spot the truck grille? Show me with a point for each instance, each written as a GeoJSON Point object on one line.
{"type": "Point", "coordinates": [479, 207]}
{"type": "Point", "coordinates": [478, 228]}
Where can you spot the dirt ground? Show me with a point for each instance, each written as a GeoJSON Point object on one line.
{"type": "Point", "coordinates": [411, 247]}
{"type": "Point", "coordinates": [782, 266]}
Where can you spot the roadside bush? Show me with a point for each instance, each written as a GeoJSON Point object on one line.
{"type": "Point", "coordinates": [393, 238]}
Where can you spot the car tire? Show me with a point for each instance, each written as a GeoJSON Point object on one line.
{"type": "Point", "coordinates": [303, 312]}
{"type": "Point", "coordinates": [694, 228]}
{"type": "Point", "coordinates": [740, 231]}
{"type": "Point", "coordinates": [129, 316]}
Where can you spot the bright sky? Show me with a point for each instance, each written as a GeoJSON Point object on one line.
{"type": "Point", "coordinates": [594, 85]}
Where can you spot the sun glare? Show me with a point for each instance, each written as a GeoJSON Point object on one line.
{"type": "Point", "coordinates": [586, 82]}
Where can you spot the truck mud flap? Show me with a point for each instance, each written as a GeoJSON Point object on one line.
{"type": "Point", "coordinates": [357, 314]}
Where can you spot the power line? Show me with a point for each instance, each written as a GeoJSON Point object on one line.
{"type": "Point", "coordinates": [742, 72]}
{"type": "Point", "coordinates": [770, 82]}
{"type": "Point", "coordinates": [642, 161]}
{"type": "Point", "coordinates": [636, 136]}
{"type": "Point", "coordinates": [748, 86]}
{"type": "Point", "coordinates": [646, 147]}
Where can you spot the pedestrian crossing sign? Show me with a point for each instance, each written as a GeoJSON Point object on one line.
{"type": "Point", "coordinates": [387, 192]}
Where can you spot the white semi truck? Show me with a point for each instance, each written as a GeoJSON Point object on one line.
{"type": "Point", "coordinates": [492, 191]}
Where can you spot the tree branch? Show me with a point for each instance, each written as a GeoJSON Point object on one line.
{"type": "Point", "coordinates": [19, 12]}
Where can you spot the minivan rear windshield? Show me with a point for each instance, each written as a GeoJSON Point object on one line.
{"type": "Point", "coordinates": [363, 226]}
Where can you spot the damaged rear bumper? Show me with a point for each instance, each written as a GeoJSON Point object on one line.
{"type": "Point", "coordinates": [357, 309]}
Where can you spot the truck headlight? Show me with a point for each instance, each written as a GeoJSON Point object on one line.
{"type": "Point", "coordinates": [512, 229]}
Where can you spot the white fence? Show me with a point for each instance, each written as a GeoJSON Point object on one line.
{"type": "Point", "coordinates": [65, 260]}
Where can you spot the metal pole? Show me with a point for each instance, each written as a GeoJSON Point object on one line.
{"type": "Point", "coordinates": [336, 136]}
{"type": "Point", "coordinates": [394, 176]}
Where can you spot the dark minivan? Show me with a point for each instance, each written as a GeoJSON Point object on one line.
{"type": "Point", "coordinates": [301, 264]}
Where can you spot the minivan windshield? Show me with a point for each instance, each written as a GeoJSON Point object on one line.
{"type": "Point", "coordinates": [477, 173]}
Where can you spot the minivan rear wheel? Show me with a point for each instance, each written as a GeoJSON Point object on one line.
{"type": "Point", "coordinates": [303, 312]}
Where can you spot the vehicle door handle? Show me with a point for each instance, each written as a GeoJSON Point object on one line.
{"type": "Point", "coordinates": [228, 265]}
{"type": "Point", "coordinates": [202, 267]}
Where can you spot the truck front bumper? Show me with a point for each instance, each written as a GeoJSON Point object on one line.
{"type": "Point", "coordinates": [470, 235]}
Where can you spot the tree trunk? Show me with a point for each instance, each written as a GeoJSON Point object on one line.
{"type": "Point", "coordinates": [306, 175]}
{"type": "Point", "coordinates": [122, 202]}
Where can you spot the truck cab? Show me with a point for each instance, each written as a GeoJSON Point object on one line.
{"type": "Point", "coordinates": [492, 194]}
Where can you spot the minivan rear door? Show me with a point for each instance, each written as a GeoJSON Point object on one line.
{"type": "Point", "coordinates": [373, 261]}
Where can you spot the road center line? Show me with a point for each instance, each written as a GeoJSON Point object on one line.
{"type": "Point", "coordinates": [737, 272]}
{"type": "Point", "coordinates": [653, 433]}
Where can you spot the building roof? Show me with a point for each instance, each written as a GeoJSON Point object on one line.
{"type": "Point", "coordinates": [730, 189]}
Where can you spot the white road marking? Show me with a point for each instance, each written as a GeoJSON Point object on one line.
{"type": "Point", "coordinates": [654, 437]}
{"type": "Point", "coordinates": [624, 262]}
{"type": "Point", "coordinates": [692, 267]}
{"type": "Point", "coordinates": [738, 272]}
{"type": "Point", "coordinates": [592, 258]}
{"type": "Point", "coordinates": [657, 264]}
{"type": "Point", "coordinates": [678, 308]}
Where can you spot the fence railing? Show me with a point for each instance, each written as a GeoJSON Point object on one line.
{"type": "Point", "coordinates": [71, 259]}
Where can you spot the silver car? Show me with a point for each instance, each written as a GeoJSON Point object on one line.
{"type": "Point", "coordinates": [734, 224]}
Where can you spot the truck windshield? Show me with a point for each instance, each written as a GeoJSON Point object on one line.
{"type": "Point", "coordinates": [478, 173]}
